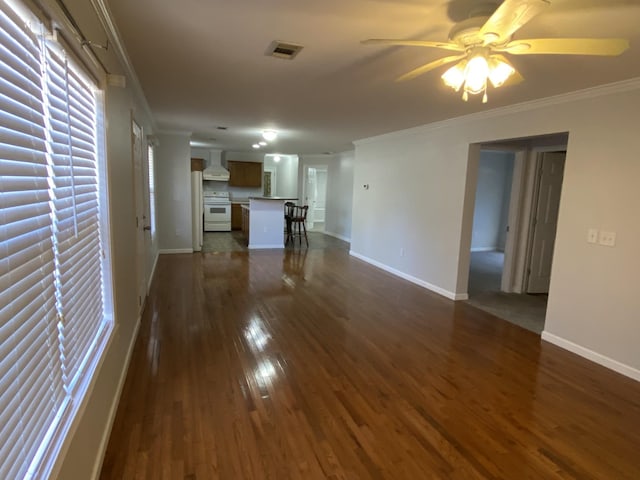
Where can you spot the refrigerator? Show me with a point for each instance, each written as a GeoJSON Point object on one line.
{"type": "Point", "coordinates": [197, 212]}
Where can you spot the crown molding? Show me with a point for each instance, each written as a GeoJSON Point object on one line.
{"type": "Point", "coordinates": [106, 19]}
{"type": "Point", "coordinates": [587, 93]}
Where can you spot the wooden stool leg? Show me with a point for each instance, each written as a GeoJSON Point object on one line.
{"type": "Point", "coordinates": [304, 227]}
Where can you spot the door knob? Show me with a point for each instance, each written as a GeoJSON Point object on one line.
{"type": "Point", "coordinates": [148, 227]}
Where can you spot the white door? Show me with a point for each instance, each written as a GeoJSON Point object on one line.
{"type": "Point", "coordinates": [310, 195]}
{"type": "Point", "coordinates": [321, 195]}
{"type": "Point", "coordinates": [545, 221]}
{"type": "Point", "coordinates": [141, 220]}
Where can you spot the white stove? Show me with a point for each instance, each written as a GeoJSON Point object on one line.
{"type": "Point", "coordinates": [217, 211]}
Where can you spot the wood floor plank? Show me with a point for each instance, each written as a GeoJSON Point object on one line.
{"type": "Point", "coordinates": [282, 365]}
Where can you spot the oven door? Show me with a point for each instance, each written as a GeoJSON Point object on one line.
{"type": "Point", "coordinates": [217, 217]}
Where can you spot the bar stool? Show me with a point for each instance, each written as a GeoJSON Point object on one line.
{"type": "Point", "coordinates": [296, 226]}
{"type": "Point", "coordinates": [288, 213]}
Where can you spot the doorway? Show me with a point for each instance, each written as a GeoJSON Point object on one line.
{"type": "Point", "coordinates": [269, 181]}
{"type": "Point", "coordinates": [490, 220]}
{"type": "Point", "coordinates": [514, 218]}
{"type": "Point", "coordinates": [315, 196]}
{"type": "Point", "coordinates": [140, 188]}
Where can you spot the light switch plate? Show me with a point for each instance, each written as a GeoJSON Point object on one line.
{"type": "Point", "coordinates": [608, 239]}
{"type": "Point", "coordinates": [592, 235]}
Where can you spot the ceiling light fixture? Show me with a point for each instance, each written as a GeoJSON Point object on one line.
{"type": "Point", "coordinates": [276, 158]}
{"type": "Point", "coordinates": [255, 145]}
{"type": "Point", "coordinates": [472, 73]}
{"type": "Point", "coordinates": [269, 135]}
{"type": "Point", "coordinates": [262, 143]}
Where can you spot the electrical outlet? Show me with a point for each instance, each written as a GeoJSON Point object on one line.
{"type": "Point", "coordinates": [592, 235]}
{"type": "Point", "coordinates": [265, 230]}
{"type": "Point", "coordinates": [608, 239]}
{"type": "Point", "coordinates": [402, 251]}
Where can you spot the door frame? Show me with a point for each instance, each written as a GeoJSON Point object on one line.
{"type": "Point", "coordinates": [317, 166]}
{"type": "Point", "coordinates": [520, 214]}
{"type": "Point", "coordinates": [140, 185]}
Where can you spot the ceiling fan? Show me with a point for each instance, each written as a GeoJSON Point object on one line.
{"type": "Point", "coordinates": [481, 41]}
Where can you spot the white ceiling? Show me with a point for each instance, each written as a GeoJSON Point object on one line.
{"type": "Point", "coordinates": [202, 64]}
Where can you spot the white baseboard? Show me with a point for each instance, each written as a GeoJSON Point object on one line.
{"type": "Point", "coordinates": [338, 236]}
{"type": "Point", "coordinates": [596, 357]}
{"type": "Point", "coordinates": [172, 251]}
{"type": "Point", "coordinates": [484, 249]}
{"type": "Point", "coordinates": [153, 271]}
{"type": "Point", "coordinates": [410, 278]}
{"type": "Point", "coordinates": [264, 247]}
{"type": "Point", "coordinates": [114, 406]}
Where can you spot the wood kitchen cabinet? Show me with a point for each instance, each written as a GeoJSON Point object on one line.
{"type": "Point", "coordinates": [244, 174]}
{"type": "Point", "coordinates": [236, 216]}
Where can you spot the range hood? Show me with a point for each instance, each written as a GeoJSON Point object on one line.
{"type": "Point", "coordinates": [215, 172]}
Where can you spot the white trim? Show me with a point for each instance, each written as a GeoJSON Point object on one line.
{"type": "Point", "coordinates": [338, 236]}
{"type": "Point", "coordinates": [484, 249]}
{"type": "Point", "coordinates": [596, 357]}
{"type": "Point", "coordinates": [264, 247]}
{"type": "Point", "coordinates": [410, 278]}
{"type": "Point", "coordinates": [102, 450]}
{"type": "Point", "coordinates": [153, 271]}
{"type": "Point", "coordinates": [588, 93]}
{"type": "Point", "coordinates": [171, 251]}
{"type": "Point", "coordinates": [106, 19]}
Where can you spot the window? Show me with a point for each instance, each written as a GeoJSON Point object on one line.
{"type": "Point", "coordinates": [152, 190]}
{"type": "Point", "coordinates": [54, 295]}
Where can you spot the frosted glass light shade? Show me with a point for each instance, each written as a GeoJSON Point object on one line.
{"type": "Point", "coordinates": [269, 135]}
{"type": "Point", "coordinates": [477, 72]}
{"type": "Point", "coordinates": [454, 77]}
{"type": "Point", "coordinates": [499, 72]}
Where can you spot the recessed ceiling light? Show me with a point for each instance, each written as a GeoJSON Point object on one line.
{"type": "Point", "coordinates": [269, 135]}
{"type": "Point", "coordinates": [262, 144]}
{"type": "Point", "coordinates": [255, 145]}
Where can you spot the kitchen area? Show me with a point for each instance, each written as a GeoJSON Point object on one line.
{"type": "Point", "coordinates": [225, 184]}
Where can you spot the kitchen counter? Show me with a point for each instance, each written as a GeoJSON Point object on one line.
{"type": "Point", "coordinates": [266, 221]}
{"type": "Point", "coordinates": [273, 198]}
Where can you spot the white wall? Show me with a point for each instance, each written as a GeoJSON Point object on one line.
{"type": "Point", "coordinates": [339, 190]}
{"type": "Point", "coordinates": [415, 218]}
{"type": "Point", "coordinates": [495, 173]}
{"type": "Point", "coordinates": [173, 183]}
{"type": "Point", "coordinates": [286, 171]}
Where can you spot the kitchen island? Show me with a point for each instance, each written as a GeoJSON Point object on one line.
{"type": "Point", "coordinates": [266, 221]}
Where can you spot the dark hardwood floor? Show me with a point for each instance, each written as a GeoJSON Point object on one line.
{"type": "Point", "coordinates": [293, 365]}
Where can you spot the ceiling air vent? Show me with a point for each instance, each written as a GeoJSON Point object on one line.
{"type": "Point", "coordinates": [283, 50]}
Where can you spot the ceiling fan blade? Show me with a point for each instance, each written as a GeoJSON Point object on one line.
{"type": "Point", "coordinates": [429, 66]}
{"type": "Point", "coordinates": [566, 46]}
{"type": "Point", "coordinates": [509, 17]}
{"type": "Point", "coordinates": [413, 43]}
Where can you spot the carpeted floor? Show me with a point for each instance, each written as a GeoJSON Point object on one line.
{"type": "Point", "coordinates": [527, 311]}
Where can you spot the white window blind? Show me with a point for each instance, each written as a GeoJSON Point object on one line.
{"type": "Point", "coordinates": [32, 395]}
{"type": "Point", "coordinates": [72, 111]}
{"type": "Point", "coordinates": [53, 325]}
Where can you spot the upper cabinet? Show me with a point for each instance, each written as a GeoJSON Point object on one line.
{"type": "Point", "coordinates": [244, 174]}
